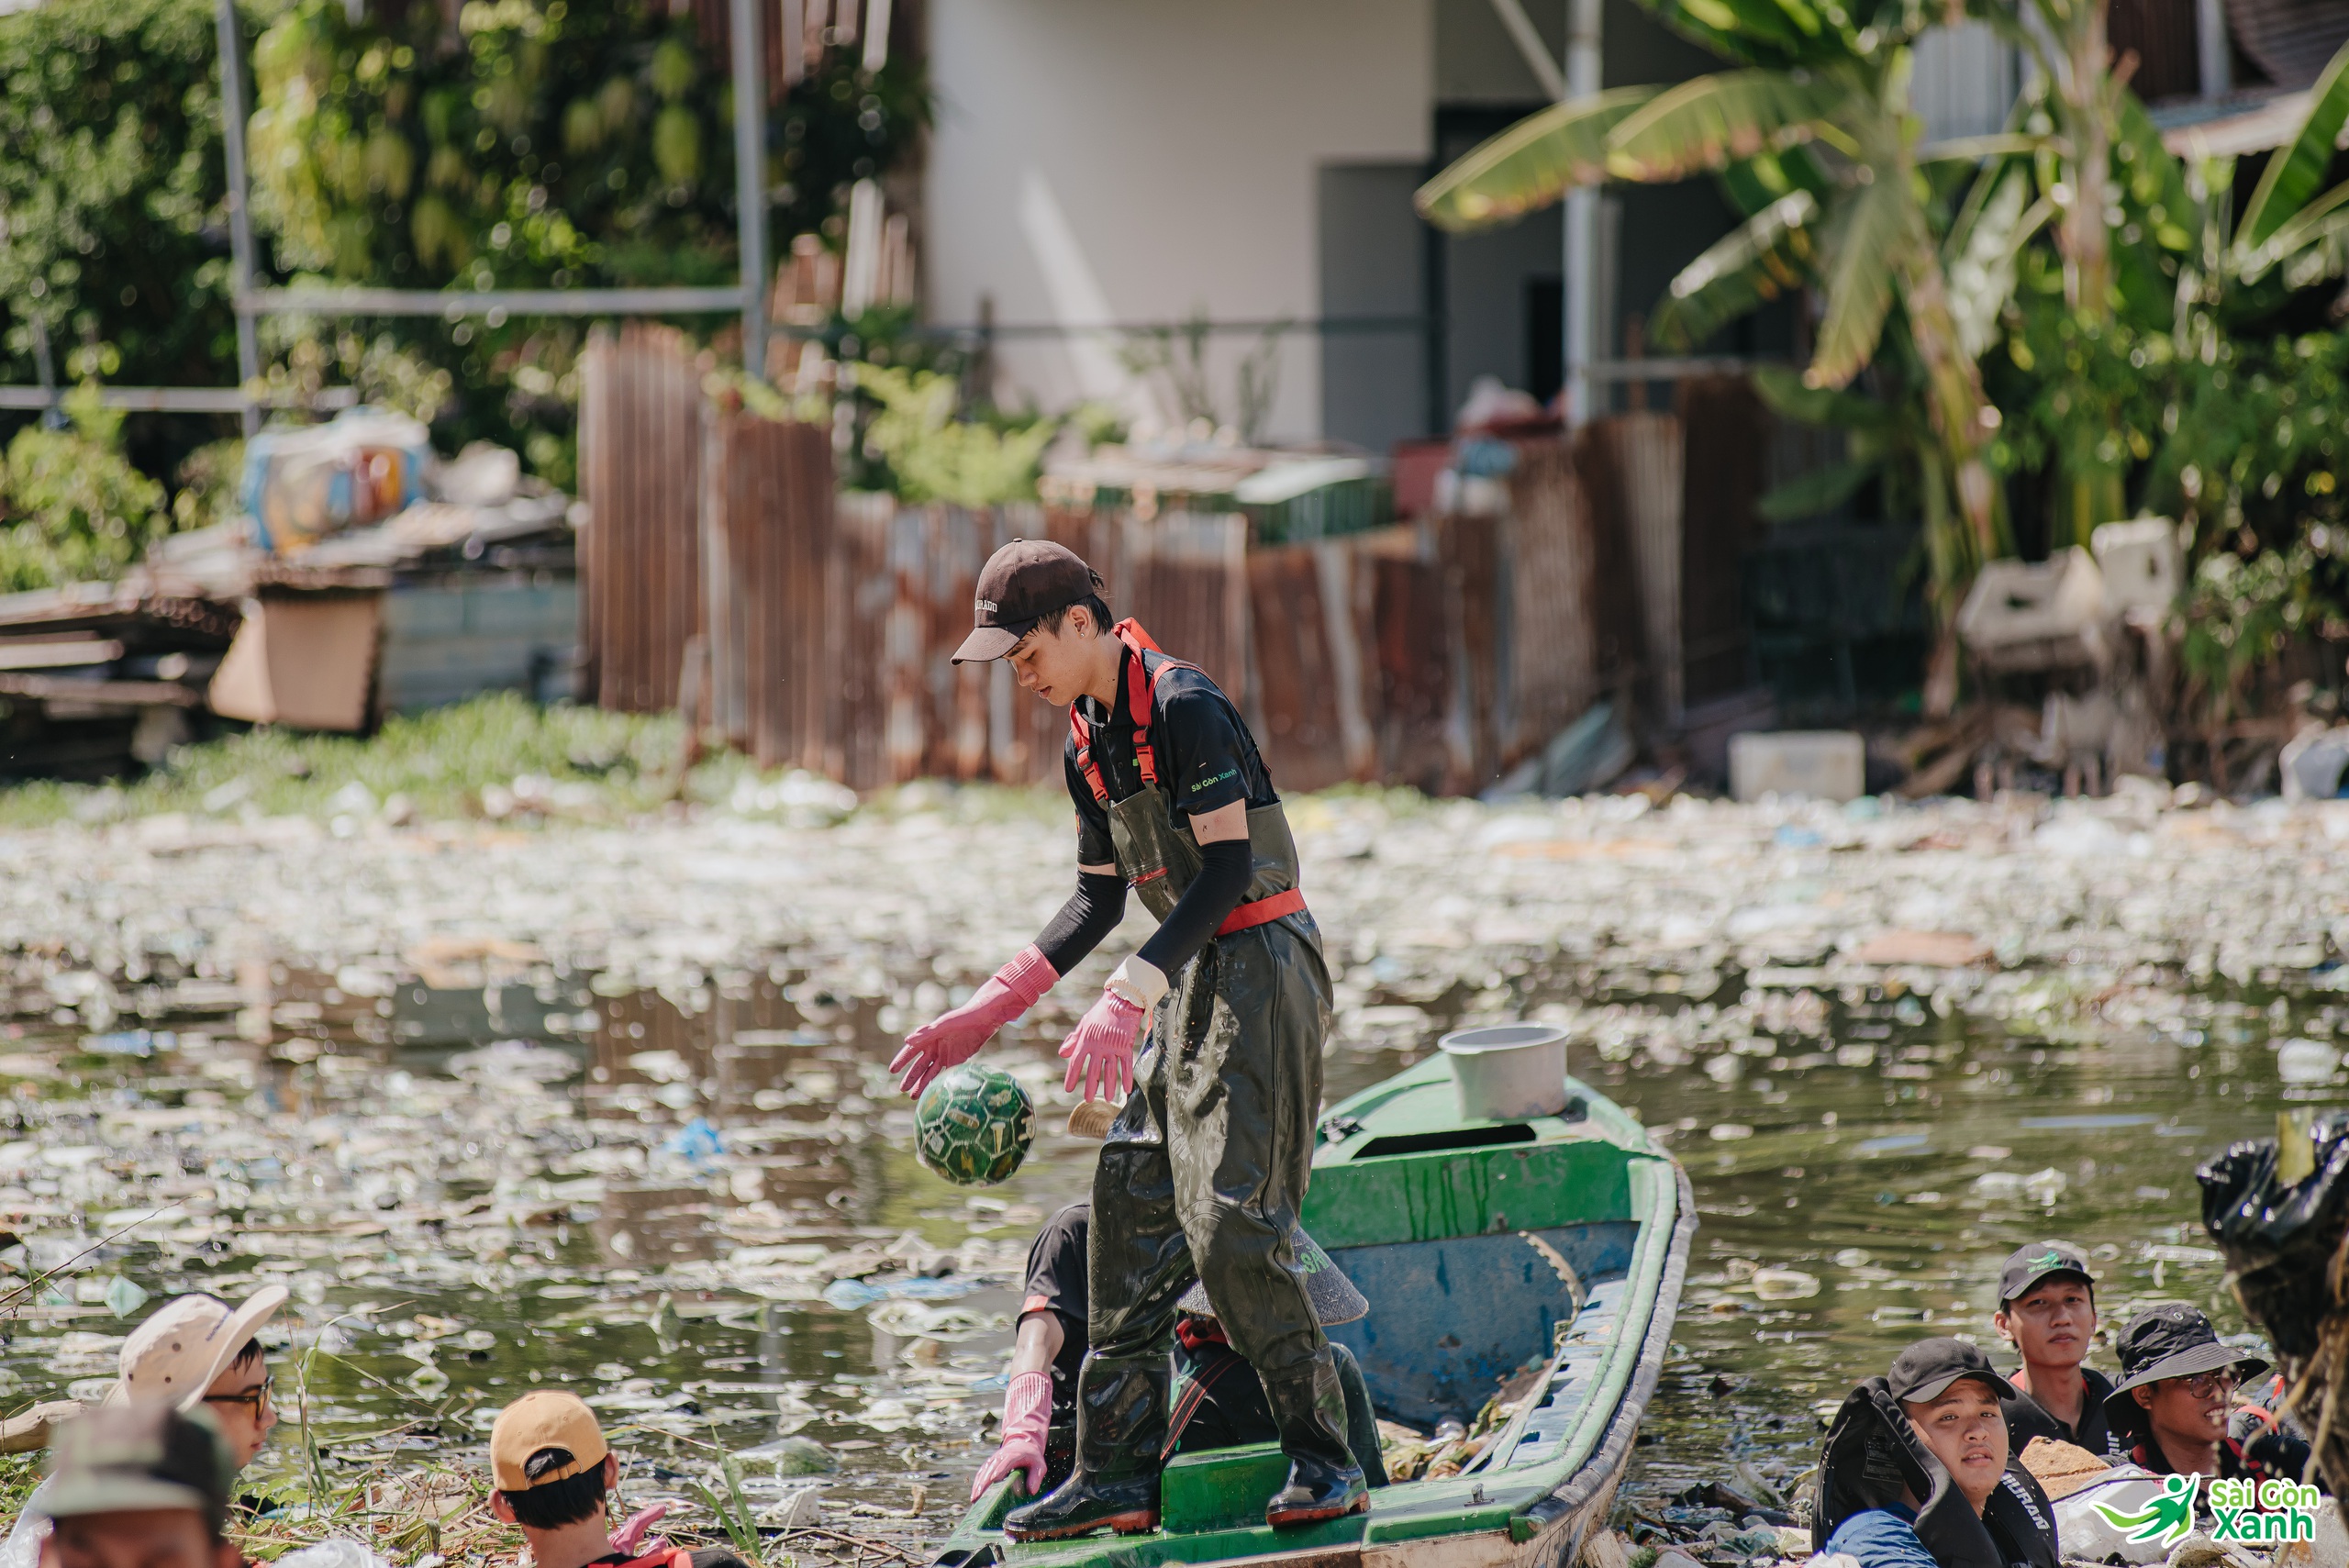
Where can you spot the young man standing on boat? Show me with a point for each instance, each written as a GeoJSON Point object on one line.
{"type": "Point", "coordinates": [1204, 1171]}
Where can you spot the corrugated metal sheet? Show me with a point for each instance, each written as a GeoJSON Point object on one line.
{"type": "Point", "coordinates": [2291, 41]}
{"type": "Point", "coordinates": [1649, 466]}
{"type": "Point", "coordinates": [1554, 627]}
{"type": "Point", "coordinates": [1308, 704]}
{"type": "Point", "coordinates": [1476, 623]}
{"type": "Point", "coordinates": [1433, 655]}
{"type": "Point", "coordinates": [768, 534]}
{"type": "Point", "coordinates": [639, 557]}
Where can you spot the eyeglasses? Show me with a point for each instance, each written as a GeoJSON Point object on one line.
{"type": "Point", "coordinates": [2202, 1385]}
{"type": "Point", "coordinates": [256, 1397]}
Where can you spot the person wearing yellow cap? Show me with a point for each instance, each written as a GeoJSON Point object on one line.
{"type": "Point", "coordinates": [554, 1473]}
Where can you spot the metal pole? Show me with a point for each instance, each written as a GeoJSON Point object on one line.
{"type": "Point", "coordinates": [1584, 77]}
{"type": "Point", "coordinates": [750, 180]}
{"type": "Point", "coordinates": [53, 412]}
{"type": "Point", "coordinates": [241, 226]}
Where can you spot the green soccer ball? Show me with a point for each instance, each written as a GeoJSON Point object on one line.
{"type": "Point", "coordinates": [972, 1125]}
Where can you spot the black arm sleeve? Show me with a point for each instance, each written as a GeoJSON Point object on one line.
{"type": "Point", "coordinates": [1213, 894]}
{"type": "Point", "coordinates": [1091, 913]}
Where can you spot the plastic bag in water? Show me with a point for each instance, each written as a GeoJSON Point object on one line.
{"type": "Point", "coordinates": [338, 1553]}
{"type": "Point", "coordinates": [2276, 1210]}
{"type": "Point", "coordinates": [2278, 1207]}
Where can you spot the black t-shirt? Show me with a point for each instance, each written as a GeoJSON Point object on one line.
{"type": "Point", "coordinates": [1056, 1284]}
{"type": "Point", "coordinates": [1204, 755]}
{"type": "Point", "coordinates": [2028, 1419]}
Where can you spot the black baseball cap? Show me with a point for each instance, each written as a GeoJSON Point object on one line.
{"type": "Point", "coordinates": [119, 1458]}
{"type": "Point", "coordinates": [2173, 1339]}
{"type": "Point", "coordinates": [2026, 1266]}
{"type": "Point", "coordinates": [1020, 585]}
{"type": "Point", "coordinates": [1928, 1367]}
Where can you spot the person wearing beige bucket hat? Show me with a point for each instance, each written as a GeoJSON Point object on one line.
{"type": "Point", "coordinates": [197, 1352]}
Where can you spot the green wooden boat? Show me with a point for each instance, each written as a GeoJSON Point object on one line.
{"type": "Point", "coordinates": [1558, 1244]}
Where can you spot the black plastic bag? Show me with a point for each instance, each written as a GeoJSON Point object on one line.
{"type": "Point", "coordinates": [2278, 1208]}
{"type": "Point", "coordinates": [2279, 1238]}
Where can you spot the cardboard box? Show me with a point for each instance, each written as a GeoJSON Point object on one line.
{"type": "Point", "coordinates": [305, 660]}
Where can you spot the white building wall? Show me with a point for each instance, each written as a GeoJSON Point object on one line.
{"type": "Point", "coordinates": [1120, 162]}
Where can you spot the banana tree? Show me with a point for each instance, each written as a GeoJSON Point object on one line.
{"type": "Point", "coordinates": [1814, 136]}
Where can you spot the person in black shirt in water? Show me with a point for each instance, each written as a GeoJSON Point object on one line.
{"type": "Point", "coordinates": [1204, 1171]}
{"type": "Point", "coordinates": [2047, 1311]}
{"type": "Point", "coordinates": [1218, 1401]}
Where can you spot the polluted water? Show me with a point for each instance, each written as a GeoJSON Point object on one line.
{"type": "Point", "coordinates": [607, 1109]}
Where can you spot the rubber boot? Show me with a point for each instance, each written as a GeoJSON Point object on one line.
{"type": "Point", "coordinates": [1121, 1435]}
{"type": "Point", "coordinates": [1310, 1411]}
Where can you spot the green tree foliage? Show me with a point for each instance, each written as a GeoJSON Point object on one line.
{"type": "Point", "coordinates": [71, 508]}
{"type": "Point", "coordinates": [546, 145]}
{"type": "Point", "coordinates": [112, 188]}
{"type": "Point", "coordinates": [932, 456]}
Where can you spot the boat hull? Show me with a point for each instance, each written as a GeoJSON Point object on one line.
{"type": "Point", "coordinates": [1572, 1233]}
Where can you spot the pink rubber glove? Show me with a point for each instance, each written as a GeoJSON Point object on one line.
{"type": "Point", "coordinates": [631, 1533]}
{"type": "Point", "coordinates": [1027, 1409]}
{"type": "Point", "coordinates": [954, 1036]}
{"type": "Point", "coordinates": [1100, 1049]}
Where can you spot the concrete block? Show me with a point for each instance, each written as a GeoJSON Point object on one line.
{"type": "Point", "coordinates": [1826, 764]}
{"type": "Point", "coordinates": [2143, 565]}
{"type": "Point", "coordinates": [2045, 615]}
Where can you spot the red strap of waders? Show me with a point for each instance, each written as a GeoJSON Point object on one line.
{"type": "Point", "coordinates": [1262, 912]}
{"type": "Point", "coordinates": [1142, 691]}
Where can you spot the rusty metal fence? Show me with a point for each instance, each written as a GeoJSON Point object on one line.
{"type": "Point", "coordinates": [721, 572]}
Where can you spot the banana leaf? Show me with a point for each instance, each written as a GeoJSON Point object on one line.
{"type": "Point", "coordinates": [1821, 490]}
{"type": "Point", "coordinates": [1882, 218]}
{"type": "Point", "coordinates": [1530, 164]}
{"type": "Point", "coordinates": [1755, 263]}
{"type": "Point", "coordinates": [2297, 172]}
{"type": "Point", "coordinates": [1704, 124]}
{"type": "Point", "coordinates": [1778, 33]}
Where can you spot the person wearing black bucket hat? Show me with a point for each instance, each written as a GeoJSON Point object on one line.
{"type": "Point", "coordinates": [2177, 1389]}
{"type": "Point", "coordinates": [1204, 1171]}
{"type": "Point", "coordinates": [2047, 1311]}
{"type": "Point", "coordinates": [1916, 1470]}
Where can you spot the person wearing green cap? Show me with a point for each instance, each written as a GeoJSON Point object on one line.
{"type": "Point", "coordinates": [2047, 1311]}
{"type": "Point", "coordinates": [138, 1486]}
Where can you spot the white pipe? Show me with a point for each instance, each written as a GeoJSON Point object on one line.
{"type": "Point", "coordinates": [1584, 77]}
{"type": "Point", "coordinates": [2210, 47]}
{"type": "Point", "coordinates": [1528, 40]}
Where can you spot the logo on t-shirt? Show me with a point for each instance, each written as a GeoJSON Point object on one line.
{"type": "Point", "coordinates": [1210, 784]}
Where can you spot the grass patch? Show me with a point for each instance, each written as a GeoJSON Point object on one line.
{"type": "Point", "coordinates": [498, 756]}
